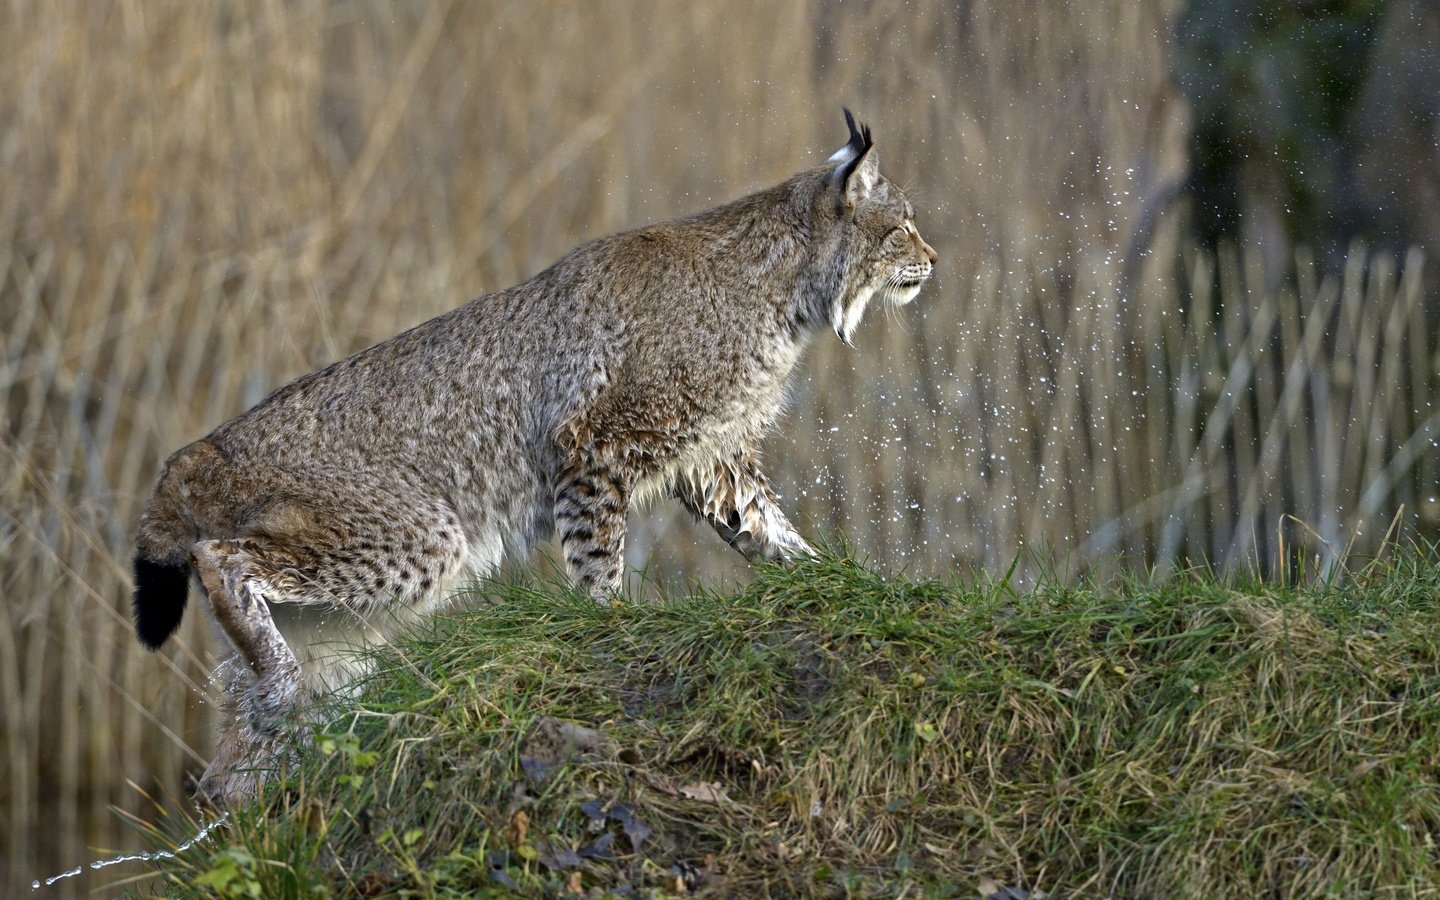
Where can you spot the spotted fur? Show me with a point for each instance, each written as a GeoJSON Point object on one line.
{"type": "Point", "coordinates": [646, 364]}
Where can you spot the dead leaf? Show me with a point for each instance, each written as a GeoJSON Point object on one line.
{"type": "Point", "coordinates": [555, 856]}
{"type": "Point", "coordinates": [712, 792]}
{"type": "Point", "coordinates": [600, 849]}
{"type": "Point", "coordinates": [636, 830]}
{"type": "Point", "coordinates": [552, 743]}
{"type": "Point", "coordinates": [519, 828]}
{"type": "Point", "coordinates": [1365, 767]}
{"type": "Point", "coordinates": [537, 771]}
{"type": "Point", "coordinates": [989, 890]}
{"type": "Point", "coordinates": [661, 783]}
{"type": "Point", "coordinates": [499, 877]}
{"type": "Point", "coordinates": [595, 809]}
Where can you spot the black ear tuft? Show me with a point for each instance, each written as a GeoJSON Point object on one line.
{"type": "Point", "coordinates": [859, 134]}
{"type": "Point", "coordinates": [854, 150]}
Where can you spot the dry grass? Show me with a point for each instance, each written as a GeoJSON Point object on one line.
{"type": "Point", "coordinates": [203, 200]}
{"type": "Point", "coordinates": [830, 732]}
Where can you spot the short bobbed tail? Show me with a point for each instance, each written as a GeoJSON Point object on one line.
{"type": "Point", "coordinates": [161, 590]}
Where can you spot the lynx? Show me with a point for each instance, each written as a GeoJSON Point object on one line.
{"type": "Point", "coordinates": [352, 501]}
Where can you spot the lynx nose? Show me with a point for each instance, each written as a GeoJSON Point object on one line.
{"type": "Point", "coordinates": [929, 251]}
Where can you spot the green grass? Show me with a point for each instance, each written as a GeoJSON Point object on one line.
{"type": "Point", "coordinates": [830, 731]}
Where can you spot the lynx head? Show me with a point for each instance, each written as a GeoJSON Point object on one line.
{"type": "Point", "coordinates": [873, 246]}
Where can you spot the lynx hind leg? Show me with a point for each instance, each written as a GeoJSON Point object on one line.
{"type": "Point", "coordinates": [591, 500]}
{"type": "Point", "coordinates": [335, 582]}
{"type": "Point", "coordinates": [243, 758]}
{"type": "Point", "coordinates": [241, 586]}
{"type": "Point", "coordinates": [735, 498]}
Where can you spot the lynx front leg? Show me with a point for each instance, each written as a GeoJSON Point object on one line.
{"type": "Point", "coordinates": [735, 498]}
{"type": "Point", "coordinates": [590, 504]}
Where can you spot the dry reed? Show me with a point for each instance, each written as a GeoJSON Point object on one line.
{"type": "Point", "coordinates": [203, 200]}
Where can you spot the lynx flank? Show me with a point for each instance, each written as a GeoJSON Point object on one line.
{"type": "Point", "coordinates": [353, 500]}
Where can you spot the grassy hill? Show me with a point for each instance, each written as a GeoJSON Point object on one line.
{"type": "Point", "coordinates": [830, 731]}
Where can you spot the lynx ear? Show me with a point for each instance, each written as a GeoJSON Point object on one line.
{"type": "Point", "coordinates": [858, 167]}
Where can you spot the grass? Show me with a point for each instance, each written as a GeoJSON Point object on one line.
{"type": "Point", "coordinates": [831, 731]}
{"type": "Point", "coordinates": [205, 200]}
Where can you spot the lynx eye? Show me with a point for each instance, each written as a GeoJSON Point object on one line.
{"type": "Point", "coordinates": [903, 230]}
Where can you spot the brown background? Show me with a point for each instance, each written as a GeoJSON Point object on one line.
{"type": "Point", "coordinates": [203, 200]}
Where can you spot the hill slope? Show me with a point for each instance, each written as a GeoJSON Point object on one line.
{"type": "Point", "coordinates": [831, 731]}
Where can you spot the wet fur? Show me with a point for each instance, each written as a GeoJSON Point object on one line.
{"type": "Point", "coordinates": [352, 501]}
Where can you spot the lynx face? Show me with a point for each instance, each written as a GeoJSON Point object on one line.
{"type": "Point", "coordinates": [879, 246]}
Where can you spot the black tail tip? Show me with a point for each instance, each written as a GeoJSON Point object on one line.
{"type": "Point", "coordinates": [160, 593]}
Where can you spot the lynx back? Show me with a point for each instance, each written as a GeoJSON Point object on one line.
{"type": "Point", "coordinates": [645, 364]}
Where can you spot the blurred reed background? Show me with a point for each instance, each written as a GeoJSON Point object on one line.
{"type": "Point", "coordinates": [203, 200]}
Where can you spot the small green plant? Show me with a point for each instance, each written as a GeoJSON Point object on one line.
{"type": "Point", "coordinates": [231, 874]}
{"type": "Point", "coordinates": [347, 748]}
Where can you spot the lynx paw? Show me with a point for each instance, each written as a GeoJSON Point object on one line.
{"type": "Point", "coordinates": [791, 547]}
